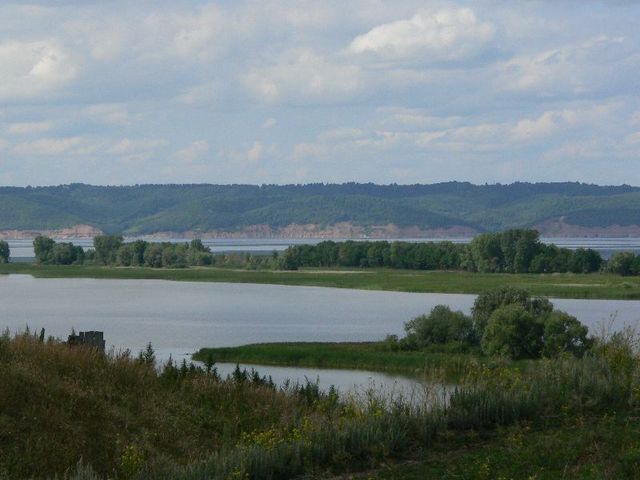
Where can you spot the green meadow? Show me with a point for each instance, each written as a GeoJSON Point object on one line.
{"type": "Point", "coordinates": [561, 285]}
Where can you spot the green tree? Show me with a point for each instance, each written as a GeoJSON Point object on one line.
{"type": "Point", "coordinates": [289, 259]}
{"type": "Point", "coordinates": [514, 332]}
{"type": "Point", "coordinates": [5, 252]}
{"type": "Point", "coordinates": [585, 261]}
{"type": "Point", "coordinates": [153, 255]}
{"type": "Point", "coordinates": [486, 303]}
{"type": "Point", "coordinates": [622, 263]}
{"type": "Point", "coordinates": [197, 245]}
{"type": "Point", "coordinates": [442, 325]}
{"type": "Point", "coordinates": [65, 253]}
{"type": "Point", "coordinates": [43, 246]}
{"type": "Point", "coordinates": [564, 333]}
{"type": "Point", "coordinates": [125, 255]}
{"type": "Point", "coordinates": [139, 246]}
{"type": "Point", "coordinates": [106, 247]}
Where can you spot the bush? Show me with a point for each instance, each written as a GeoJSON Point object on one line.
{"type": "Point", "coordinates": [564, 333]}
{"type": "Point", "coordinates": [513, 331]}
{"type": "Point", "coordinates": [623, 263]}
{"type": "Point", "coordinates": [488, 302]}
{"type": "Point", "coordinates": [441, 326]}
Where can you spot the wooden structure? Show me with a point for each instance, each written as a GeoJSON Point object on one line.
{"type": "Point", "coordinates": [89, 339]}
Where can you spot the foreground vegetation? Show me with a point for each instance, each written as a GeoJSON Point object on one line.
{"type": "Point", "coordinates": [81, 414]}
{"type": "Point", "coordinates": [605, 286]}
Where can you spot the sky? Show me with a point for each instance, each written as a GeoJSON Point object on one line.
{"type": "Point", "coordinates": [264, 91]}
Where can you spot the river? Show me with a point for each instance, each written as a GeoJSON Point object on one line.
{"type": "Point", "coordinates": [178, 318]}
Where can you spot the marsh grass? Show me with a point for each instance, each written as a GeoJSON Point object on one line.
{"type": "Point", "coordinates": [360, 355]}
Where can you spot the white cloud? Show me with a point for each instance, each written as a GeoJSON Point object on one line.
{"type": "Point", "coordinates": [32, 69]}
{"type": "Point", "coordinates": [199, 94]}
{"type": "Point", "coordinates": [51, 146]}
{"type": "Point", "coordinates": [193, 152]}
{"type": "Point", "coordinates": [26, 128]}
{"type": "Point", "coordinates": [269, 123]}
{"type": "Point", "coordinates": [110, 114]}
{"type": "Point", "coordinates": [255, 153]}
{"type": "Point", "coordinates": [546, 124]}
{"type": "Point", "coordinates": [303, 75]}
{"type": "Point", "coordinates": [434, 35]}
{"type": "Point", "coordinates": [201, 34]}
{"type": "Point", "coordinates": [341, 134]}
{"type": "Point", "coordinates": [571, 69]}
{"type": "Point", "coordinates": [127, 146]}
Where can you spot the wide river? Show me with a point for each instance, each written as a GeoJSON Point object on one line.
{"type": "Point", "coordinates": [180, 317]}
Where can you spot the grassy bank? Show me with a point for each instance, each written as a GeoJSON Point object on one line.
{"type": "Point", "coordinates": [593, 447]}
{"type": "Point", "coordinates": [83, 415]}
{"type": "Point", "coordinates": [603, 286]}
{"type": "Point", "coordinates": [362, 355]}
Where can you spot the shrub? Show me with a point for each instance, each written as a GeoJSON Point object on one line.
{"type": "Point", "coordinates": [564, 333]}
{"type": "Point", "coordinates": [513, 331]}
{"type": "Point", "coordinates": [441, 326]}
{"type": "Point", "coordinates": [622, 263]}
{"type": "Point", "coordinates": [488, 302]}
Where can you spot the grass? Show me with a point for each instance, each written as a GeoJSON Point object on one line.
{"type": "Point", "coordinates": [595, 286]}
{"type": "Point", "coordinates": [121, 418]}
{"type": "Point", "coordinates": [593, 447]}
{"type": "Point", "coordinates": [360, 355]}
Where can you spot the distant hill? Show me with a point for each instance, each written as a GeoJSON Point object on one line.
{"type": "Point", "coordinates": [344, 210]}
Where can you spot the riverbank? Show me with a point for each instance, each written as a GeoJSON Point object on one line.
{"type": "Point", "coordinates": [565, 285]}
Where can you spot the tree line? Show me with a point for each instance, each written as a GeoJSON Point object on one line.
{"type": "Point", "coordinates": [112, 250]}
{"type": "Point", "coordinates": [511, 251]}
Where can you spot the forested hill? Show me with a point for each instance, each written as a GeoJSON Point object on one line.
{"type": "Point", "coordinates": [314, 209]}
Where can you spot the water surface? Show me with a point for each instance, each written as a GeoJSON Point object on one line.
{"type": "Point", "coordinates": [178, 318]}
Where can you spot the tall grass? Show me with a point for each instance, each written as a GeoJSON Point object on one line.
{"type": "Point", "coordinates": [362, 355]}
{"type": "Point", "coordinates": [121, 418]}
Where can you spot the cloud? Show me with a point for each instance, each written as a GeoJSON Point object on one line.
{"type": "Point", "coordinates": [27, 128]}
{"type": "Point", "coordinates": [193, 152]}
{"type": "Point", "coordinates": [279, 90]}
{"type": "Point", "coordinates": [110, 114]}
{"type": "Point", "coordinates": [433, 35]}
{"type": "Point", "coordinates": [574, 69]}
{"type": "Point", "coordinates": [200, 94]}
{"type": "Point", "coordinates": [32, 69]}
{"type": "Point", "coordinates": [269, 123]}
{"type": "Point", "coordinates": [127, 146]}
{"type": "Point", "coordinates": [255, 153]}
{"type": "Point", "coordinates": [51, 146]}
{"type": "Point", "coordinates": [546, 124]}
{"type": "Point", "coordinates": [303, 76]}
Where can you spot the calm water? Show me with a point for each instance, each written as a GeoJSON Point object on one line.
{"type": "Point", "coordinates": [181, 317]}
{"type": "Point", "coordinates": [359, 384]}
